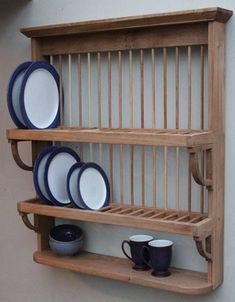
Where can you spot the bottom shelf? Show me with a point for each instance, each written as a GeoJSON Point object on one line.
{"type": "Point", "coordinates": [181, 280]}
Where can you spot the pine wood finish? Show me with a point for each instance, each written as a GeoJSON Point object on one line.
{"type": "Point", "coordinates": [140, 50]}
{"type": "Point", "coordinates": [180, 281]}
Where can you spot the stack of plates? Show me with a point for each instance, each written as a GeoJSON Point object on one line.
{"type": "Point", "coordinates": [33, 96]}
{"type": "Point", "coordinates": [61, 179]}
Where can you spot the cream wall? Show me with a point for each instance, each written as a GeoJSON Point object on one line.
{"type": "Point", "coordinates": [20, 278]}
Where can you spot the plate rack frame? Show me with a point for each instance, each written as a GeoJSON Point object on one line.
{"type": "Point", "coordinates": [176, 29]}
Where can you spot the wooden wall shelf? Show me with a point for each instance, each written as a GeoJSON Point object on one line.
{"type": "Point", "coordinates": [180, 281]}
{"type": "Point", "coordinates": [162, 70]}
{"type": "Point", "coordinates": [178, 222]}
{"type": "Point", "coordinates": [151, 137]}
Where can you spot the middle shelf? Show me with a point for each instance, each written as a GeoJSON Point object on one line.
{"type": "Point", "coordinates": [133, 136]}
{"type": "Point", "coordinates": [172, 221]}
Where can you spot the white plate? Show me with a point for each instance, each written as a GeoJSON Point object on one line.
{"type": "Point", "coordinates": [56, 172]}
{"type": "Point", "coordinates": [13, 94]}
{"type": "Point", "coordinates": [72, 184]}
{"type": "Point", "coordinates": [39, 172]}
{"type": "Point", "coordinates": [93, 187]}
{"type": "Point", "coordinates": [39, 96]}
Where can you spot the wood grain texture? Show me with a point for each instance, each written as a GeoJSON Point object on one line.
{"type": "Point", "coordinates": [131, 218]}
{"type": "Point", "coordinates": [216, 55]}
{"type": "Point", "coordinates": [180, 281]}
{"type": "Point", "coordinates": [179, 17]}
{"type": "Point", "coordinates": [191, 34]}
{"type": "Point", "coordinates": [152, 137]}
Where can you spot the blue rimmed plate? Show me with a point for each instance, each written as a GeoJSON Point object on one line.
{"type": "Point", "coordinates": [13, 94]}
{"type": "Point", "coordinates": [38, 174]}
{"type": "Point", "coordinates": [72, 184]}
{"type": "Point", "coordinates": [56, 171]}
{"type": "Point", "coordinates": [93, 187]}
{"type": "Point", "coordinates": [39, 96]}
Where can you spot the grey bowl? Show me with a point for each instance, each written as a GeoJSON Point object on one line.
{"type": "Point", "coordinates": [66, 248]}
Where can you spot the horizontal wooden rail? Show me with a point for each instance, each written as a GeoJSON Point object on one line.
{"type": "Point", "coordinates": [152, 137]}
{"type": "Point", "coordinates": [125, 215]}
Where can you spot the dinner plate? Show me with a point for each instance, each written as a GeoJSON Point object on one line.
{"type": "Point", "coordinates": [56, 171]}
{"type": "Point", "coordinates": [39, 96]}
{"type": "Point", "coordinates": [72, 184]}
{"type": "Point", "coordinates": [38, 174]}
{"type": "Point", "coordinates": [93, 187]}
{"type": "Point", "coordinates": [13, 94]}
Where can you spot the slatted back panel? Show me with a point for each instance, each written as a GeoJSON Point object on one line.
{"type": "Point", "coordinates": [139, 88]}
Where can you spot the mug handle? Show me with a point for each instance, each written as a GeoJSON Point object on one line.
{"type": "Point", "coordinates": [145, 248]}
{"type": "Point", "coordinates": [123, 249]}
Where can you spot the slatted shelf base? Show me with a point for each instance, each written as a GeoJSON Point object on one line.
{"type": "Point", "coordinates": [179, 222]}
{"type": "Point", "coordinates": [152, 137]}
{"type": "Point", "coordinates": [181, 281]}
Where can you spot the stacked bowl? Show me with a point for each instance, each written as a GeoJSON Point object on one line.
{"type": "Point", "coordinates": [66, 239]}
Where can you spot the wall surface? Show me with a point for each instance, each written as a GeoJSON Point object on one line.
{"type": "Point", "coordinates": [20, 278]}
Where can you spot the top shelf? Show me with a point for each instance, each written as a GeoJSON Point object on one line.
{"type": "Point", "coordinates": [180, 17]}
{"type": "Point", "coordinates": [151, 137]}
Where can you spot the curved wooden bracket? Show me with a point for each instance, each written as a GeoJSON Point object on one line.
{"type": "Point", "coordinates": [16, 156]}
{"type": "Point", "coordinates": [28, 223]}
{"type": "Point", "coordinates": [203, 245]}
{"type": "Point", "coordinates": [194, 166]}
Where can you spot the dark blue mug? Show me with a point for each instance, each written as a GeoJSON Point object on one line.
{"type": "Point", "coordinates": [136, 243]}
{"type": "Point", "coordinates": [160, 254]}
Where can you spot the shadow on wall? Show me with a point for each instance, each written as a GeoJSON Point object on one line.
{"type": "Point", "coordinates": [7, 4]}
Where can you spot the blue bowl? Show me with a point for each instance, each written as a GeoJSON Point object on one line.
{"type": "Point", "coordinates": [66, 248]}
{"type": "Point", "coordinates": [65, 233]}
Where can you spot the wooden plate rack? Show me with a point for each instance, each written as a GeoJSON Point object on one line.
{"type": "Point", "coordinates": [146, 92]}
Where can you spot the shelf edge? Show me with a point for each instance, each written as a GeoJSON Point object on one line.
{"type": "Point", "coordinates": [120, 269]}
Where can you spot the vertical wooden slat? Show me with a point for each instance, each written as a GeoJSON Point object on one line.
{"type": "Point", "coordinates": [80, 122]}
{"type": "Point", "coordinates": [202, 77]}
{"type": "Point", "coordinates": [132, 173]}
{"type": "Point", "coordinates": [99, 89]}
{"type": "Point", "coordinates": [143, 175]}
{"type": "Point", "coordinates": [61, 92]}
{"type": "Point", "coordinates": [69, 90]}
{"type": "Point", "coordinates": [109, 92]}
{"type": "Point", "coordinates": [142, 123]}
{"type": "Point", "coordinates": [153, 88]}
{"type": "Point", "coordinates": [165, 86]}
{"type": "Point", "coordinates": [202, 60]}
{"type": "Point", "coordinates": [177, 125]}
{"type": "Point", "coordinates": [89, 88]}
{"type": "Point", "coordinates": [189, 76]}
{"type": "Point", "coordinates": [154, 170]}
{"type": "Point", "coordinates": [120, 122]}
{"type": "Point", "coordinates": [177, 178]}
{"type": "Point", "coordinates": [51, 60]}
{"type": "Point", "coordinates": [142, 87]}
{"type": "Point", "coordinates": [165, 178]}
{"type": "Point", "coordinates": [99, 104]}
{"type": "Point", "coordinates": [89, 100]}
{"type": "Point", "coordinates": [154, 162]}
{"type": "Point", "coordinates": [110, 123]}
{"type": "Point", "coordinates": [121, 174]}
{"type": "Point", "coordinates": [165, 124]}
{"type": "Point", "coordinates": [120, 89]}
{"type": "Point", "coordinates": [80, 90]}
{"type": "Point", "coordinates": [177, 88]}
{"type": "Point", "coordinates": [131, 125]}
{"type": "Point", "coordinates": [131, 88]}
